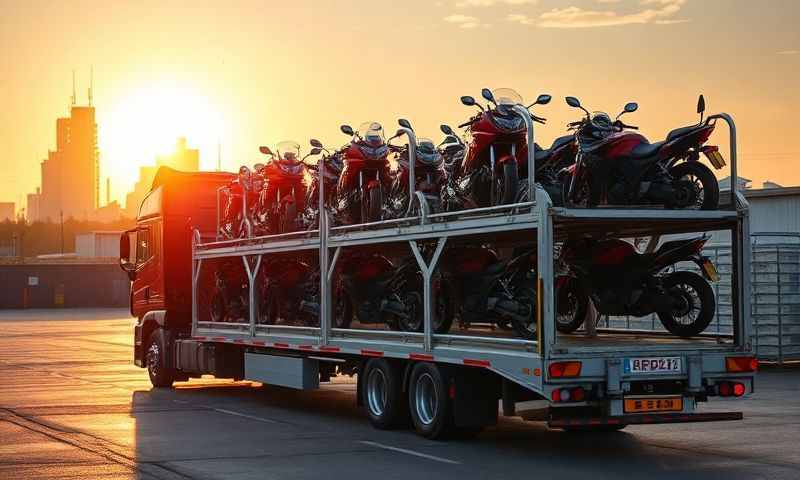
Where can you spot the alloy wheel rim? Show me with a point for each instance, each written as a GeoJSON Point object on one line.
{"type": "Point", "coordinates": [426, 399]}
{"type": "Point", "coordinates": [153, 354]}
{"type": "Point", "coordinates": [377, 392]}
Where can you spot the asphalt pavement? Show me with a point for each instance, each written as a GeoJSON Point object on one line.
{"type": "Point", "coordinates": [73, 405]}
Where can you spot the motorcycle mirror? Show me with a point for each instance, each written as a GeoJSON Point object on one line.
{"type": "Point", "coordinates": [266, 151]}
{"type": "Point", "coordinates": [543, 99]}
{"type": "Point", "coordinates": [573, 102]}
{"type": "Point", "coordinates": [487, 94]}
{"type": "Point", "coordinates": [467, 100]}
{"type": "Point", "coordinates": [405, 123]}
{"type": "Point", "coordinates": [631, 107]}
{"type": "Point", "coordinates": [701, 104]}
{"type": "Point", "coordinates": [315, 143]}
{"type": "Point", "coordinates": [446, 129]}
{"type": "Point", "coordinates": [347, 130]}
{"type": "Point", "coordinates": [315, 151]}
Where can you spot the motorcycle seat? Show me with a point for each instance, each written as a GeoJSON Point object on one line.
{"type": "Point", "coordinates": [678, 132]}
{"type": "Point", "coordinates": [561, 141]}
{"type": "Point", "coordinates": [644, 150]}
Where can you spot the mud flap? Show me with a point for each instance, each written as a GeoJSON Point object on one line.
{"type": "Point", "coordinates": [475, 397]}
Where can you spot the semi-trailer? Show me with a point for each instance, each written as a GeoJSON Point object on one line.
{"type": "Point", "coordinates": [450, 383]}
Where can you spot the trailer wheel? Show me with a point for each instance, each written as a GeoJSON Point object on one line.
{"type": "Point", "coordinates": [387, 407]}
{"type": "Point", "coordinates": [430, 403]}
{"type": "Point", "coordinates": [161, 374]}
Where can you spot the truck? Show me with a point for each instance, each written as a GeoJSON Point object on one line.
{"type": "Point", "coordinates": [451, 383]}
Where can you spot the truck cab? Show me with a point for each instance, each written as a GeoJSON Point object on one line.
{"type": "Point", "coordinates": [157, 255]}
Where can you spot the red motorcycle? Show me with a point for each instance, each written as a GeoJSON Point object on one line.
{"type": "Point", "coordinates": [616, 166]}
{"type": "Point", "coordinates": [430, 177]}
{"type": "Point", "coordinates": [284, 194]}
{"type": "Point", "coordinates": [333, 169]}
{"type": "Point", "coordinates": [235, 219]}
{"type": "Point", "coordinates": [618, 280]}
{"type": "Point", "coordinates": [365, 179]}
{"type": "Point", "coordinates": [497, 156]}
{"type": "Point", "coordinates": [288, 291]}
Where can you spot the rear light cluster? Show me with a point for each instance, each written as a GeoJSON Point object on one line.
{"type": "Point", "coordinates": [731, 389]}
{"type": "Point", "coordinates": [575, 394]}
{"type": "Point", "coordinates": [564, 369]}
{"type": "Point", "coordinates": [741, 364]}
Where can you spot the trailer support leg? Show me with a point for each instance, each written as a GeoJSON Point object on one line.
{"type": "Point", "coordinates": [252, 272]}
{"type": "Point", "coordinates": [427, 271]}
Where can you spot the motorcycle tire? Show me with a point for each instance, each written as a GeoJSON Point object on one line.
{"type": "Point", "coordinates": [571, 304]}
{"type": "Point", "coordinates": [582, 196]}
{"type": "Point", "coordinates": [681, 285]}
{"type": "Point", "coordinates": [508, 186]}
{"type": "Point", "coordinates": [374, 204]}
{"type": "Point", "coordinates": [444, 308]}
{"type": "Point", "coordinates": [217, 308]}
{"type": "Point", "coordinates": [288, 217]}
{"type": "Point", "coordinates": [525, 294]}
{"type": "Point", "coordinates": [696, 173]}
{"type": "Point", "coordinates": [342, 309]}
{"type": "Point", "coordinates": [415, 321]}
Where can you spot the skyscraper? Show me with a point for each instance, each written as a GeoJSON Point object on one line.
{"type": "Point", "coordinates": [69, 174]}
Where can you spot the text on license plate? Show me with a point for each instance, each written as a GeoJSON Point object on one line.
{"type": "Point", "coordinates": [652, 365]}
{"type": "Point", "coordinates": [663, 404]}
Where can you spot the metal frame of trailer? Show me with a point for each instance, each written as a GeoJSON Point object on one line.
{"type": "Point", "coordinates": [521, 361]}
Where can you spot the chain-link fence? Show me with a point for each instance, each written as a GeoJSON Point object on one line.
{"type": "Point", "coordinates": [775, 281]}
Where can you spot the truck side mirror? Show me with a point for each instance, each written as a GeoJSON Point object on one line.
{"type": "Point", "coordinates": [125, 254]}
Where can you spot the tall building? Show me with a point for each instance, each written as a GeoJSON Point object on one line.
{"type": "Point", "coordinates": [7, 211]}
{"type": "Point", "coordinates": [70, 172]}
{"type": "Point", "coordinates": [32, 211]}
{"type": "Point", "coordinates": [183, 159]}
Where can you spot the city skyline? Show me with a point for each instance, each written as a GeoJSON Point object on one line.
{"type": "Point", "coordinates": [259, 79]}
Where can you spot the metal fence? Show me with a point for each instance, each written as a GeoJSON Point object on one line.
{"type": "Point", "coordinates": [775, 304]}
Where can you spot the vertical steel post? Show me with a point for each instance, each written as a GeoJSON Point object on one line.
{"type": "Point", "coordinates": [526, 117]}
{"type": "Point", "coordinates": [196, 264]}
{"type": "Point", "coordinates": [412, 160]}
{"type": "Point", "coordinates": [427, 292]}
{"type": "Point", "coordinates": [547, 329]}
{"type": "Point", "coordinates": [252, 272]}
{"type": "Point", "coordinates": [742, 254]}
{"type": "Point", "coordinates": [324, 280]}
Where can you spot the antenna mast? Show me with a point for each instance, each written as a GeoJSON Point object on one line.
{"type": "Point", "coordinates": [72, 99]}
{"type": "Point", "coordinates": [91, 83]}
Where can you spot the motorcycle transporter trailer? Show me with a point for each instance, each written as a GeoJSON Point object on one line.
{"type": "Point", "coordinates": [448, 383]}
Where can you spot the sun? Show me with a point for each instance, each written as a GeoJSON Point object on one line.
{"type": "Point", "coordinates": [147, 121]}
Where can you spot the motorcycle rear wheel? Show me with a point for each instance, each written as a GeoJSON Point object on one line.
{"type": "Point", "coordinates": [706, 194]}
{"type": "Point", "coordinates": [526, 295]}
{"type": "Point", "coordinates": [691, 293]}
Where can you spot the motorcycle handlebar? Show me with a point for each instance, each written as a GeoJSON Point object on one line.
{"type": "Point", "coordinates": [541, 120]}
{"type": "Point", "coordinates": [466, 124]}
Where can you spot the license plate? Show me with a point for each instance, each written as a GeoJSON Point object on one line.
{"type": "Point", "coordinates": [653, 404]}
{"type": "Point", "coordinates": [716, 158]}
{"type": "Point", "coordinates": [710, 270]}
{"type": "Point", "coordinates": [650, 365]}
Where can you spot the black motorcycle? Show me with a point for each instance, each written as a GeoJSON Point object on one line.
{"type": "Point", "coordinates": [619, 280]}
{"type": "Point", "coordinates": [483, 288]}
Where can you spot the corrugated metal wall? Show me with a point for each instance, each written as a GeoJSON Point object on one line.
{"type": "Point", "coordinates": [63, 285]}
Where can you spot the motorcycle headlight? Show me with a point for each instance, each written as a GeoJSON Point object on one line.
{"type": "Point", "coordinates": [511, 122]}
{"type": "Point", "coordinates": [374, 153]}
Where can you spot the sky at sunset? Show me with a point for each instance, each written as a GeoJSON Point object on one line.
{"type": "Point", "coordinates": [248, 73]}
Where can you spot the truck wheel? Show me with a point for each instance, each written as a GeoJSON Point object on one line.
{"type": "Point", "coordinates": [161, 374]}
{"type": "Point", "coordinates": [387, 406]}
{"type": "Point", "coordinates": [430, 403]}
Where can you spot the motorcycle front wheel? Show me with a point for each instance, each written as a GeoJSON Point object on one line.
{"type": "Point", "coordinates": [693, 304]}
{"type": "Point", "coordinates": [695, 186]}
{"type": "Point", "coordinates": [288, 217]}
{"type": "Point", "coordinates": [507, 187]}
{"type": "Point", "coordinates": [217, 308]}
{"type": "Point", "coordinates": [374, 204]}
{"type": "Point", "coordinates": [571, 306]}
